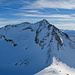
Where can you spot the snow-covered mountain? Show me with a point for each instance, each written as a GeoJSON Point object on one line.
{"type": "Point", "coordinates": [69, 32]}
{"type": "Point", "coordinates": [26, 49]}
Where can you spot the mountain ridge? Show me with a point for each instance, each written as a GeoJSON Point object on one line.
{"type": "Point", "coordinates": [33, 46]}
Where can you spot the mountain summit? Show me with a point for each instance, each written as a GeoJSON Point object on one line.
{"type": "Point", "coordinates": [26, 48]}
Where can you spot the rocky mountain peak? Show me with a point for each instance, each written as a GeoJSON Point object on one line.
{"type": "Point", "coordinates": [32, 46]}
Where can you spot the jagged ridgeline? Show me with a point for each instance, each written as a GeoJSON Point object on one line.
{"type": "Point", "coordinates": [31, 47]}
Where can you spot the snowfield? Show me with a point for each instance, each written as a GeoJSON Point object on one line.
{"type": "Point", "coordinates": [36, 49]}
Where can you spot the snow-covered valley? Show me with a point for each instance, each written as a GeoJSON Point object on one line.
{"type": "Point", "coordinates": [27, 49]}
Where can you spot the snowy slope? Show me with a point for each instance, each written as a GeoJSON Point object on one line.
{"type": "Point", "coordinates": [72, 37]}
{"type": "Point", "coordinates": [26, 49]}
{"type": "Point", "coordinates": [69, 32]}
{"type": "Point", "coordinates": [57, 68]}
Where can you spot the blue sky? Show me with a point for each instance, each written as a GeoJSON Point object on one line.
{"type": "Point", "coordinates": [60, 13]}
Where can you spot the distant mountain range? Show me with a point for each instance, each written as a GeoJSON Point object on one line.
{"type": "Point", "coordinates": [69, 32]}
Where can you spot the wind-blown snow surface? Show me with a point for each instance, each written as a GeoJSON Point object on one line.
{"type": "Point", "coordinates": [26, 49]}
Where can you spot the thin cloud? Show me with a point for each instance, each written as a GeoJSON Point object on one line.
{"type": "Point", "coordinates": [3, 23]}
{"type": "Point", "coordinates": [63, 4]}
{"type": "Point", "coordinates": [57, 10]}
{"type": "Point", "coordinates": [9, 22]}
{"type": "Point", "coordinates": [1, 19]}
{"type": "Point", "coordinates": [69, 26]}
{"type": "Point", "coordinates": [36, 15]}
{"type": "Point", "coordinates": [33, 11]}
{"type": "Point", "coordinates": [27, 2]}
{"type": "Point", "coordinates": [52, 17]}
{"type": "Point", "coordinates": [13, 2]}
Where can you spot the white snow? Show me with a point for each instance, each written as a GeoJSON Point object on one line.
{"type": "Point", "coordinates": [57, 68]}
